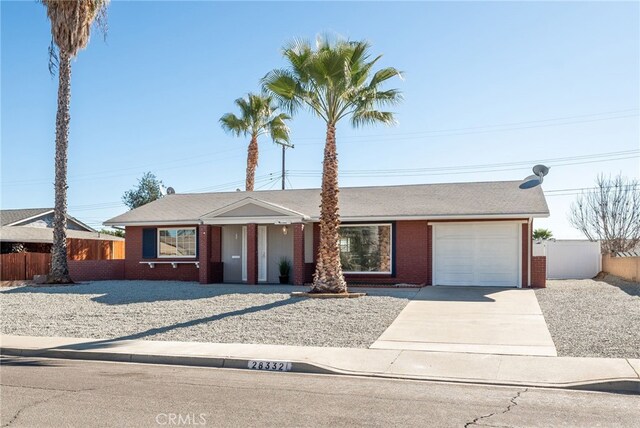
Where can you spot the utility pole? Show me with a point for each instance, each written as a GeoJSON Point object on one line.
{"type": "Point", "coordinates": [284, 147]}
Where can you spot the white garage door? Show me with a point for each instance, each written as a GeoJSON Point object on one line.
{"type": "Point", "coordinates": [485, 254]}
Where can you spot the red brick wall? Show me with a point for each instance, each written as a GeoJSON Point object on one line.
{"type": "Point", "coordinates": [411, 257]}
{"type": "Point", "coordinates": [136, 270]}
{"type": "Point", "coordinates": [96, 270]}
{"type": "Point", "coordinates": [216, 244]}
{"type": "Point", "coordinates": [309, 270]}
{"type": "Point", "coordinates": [216, 270]}
{"type": "Point", "coordinates": [252, 253]}
{"type": "Point", "coordinates": [539, 271]}
{"type": "Point", "coordinates": [204, 253]}
{"type": "Point", "coordinates": [298, 254]}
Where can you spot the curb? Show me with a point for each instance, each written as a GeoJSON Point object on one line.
{"type": "Point", "coordinates": [620, 385]}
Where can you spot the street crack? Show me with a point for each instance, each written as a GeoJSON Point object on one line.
{"type": "Point", "coordinates": [13, 419]}
{"type": "Point", "coordinates": [512, 404]}
{"type": "Point", "coordinates": [37, 403]}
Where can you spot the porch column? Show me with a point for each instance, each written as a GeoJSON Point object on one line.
{"type": "Point", "coordinates": [204, 253]}
{"type": "Point", "coordinates": [252, 253]}
{"type": "Point", "coordinates": [216, 254]}
{"type": "Point", "coordinates": [298, 254]}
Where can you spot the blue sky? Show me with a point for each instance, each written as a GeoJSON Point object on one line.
{"type": "Point", "coordinates": [490, 89]}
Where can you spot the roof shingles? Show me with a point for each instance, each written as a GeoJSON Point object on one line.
{"type": "Point", "coordinates": [499, 198]}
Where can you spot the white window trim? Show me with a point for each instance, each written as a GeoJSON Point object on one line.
{"type": "Point", "coordinates": [389, 272]}
{"type": "Point", "coordinates": [161, 256]}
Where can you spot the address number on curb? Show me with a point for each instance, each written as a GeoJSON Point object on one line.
{"type": "Point", "coordinates": [273, 366]}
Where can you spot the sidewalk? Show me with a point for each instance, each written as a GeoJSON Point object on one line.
{"type": "Point", "coordinates": [598, 374]}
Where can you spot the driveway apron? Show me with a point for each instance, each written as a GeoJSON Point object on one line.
{"type": "Point", "coordinates": [484, 320]}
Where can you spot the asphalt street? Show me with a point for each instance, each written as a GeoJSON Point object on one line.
{"type": "Point", "coordinates": [52, 393]}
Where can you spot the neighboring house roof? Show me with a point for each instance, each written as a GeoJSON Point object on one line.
{"type": "Point", "coordinates": [45, 234]}
{"type": "Point", "coordinates": [429, 201]}
{"type": "Point", "coordinates": [9, 217]}
{"type": "Point", "coordinates": [25, 216]}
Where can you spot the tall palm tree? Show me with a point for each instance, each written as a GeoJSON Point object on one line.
{"type": "Point", "coordinates": [257, 117]}
{"type": "Point", "coordinates": [333, 81]}
{"type": "Point", "coordinates": [71, 22]}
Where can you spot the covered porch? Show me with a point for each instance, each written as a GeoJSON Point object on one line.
{"type": "Point", "coordinates": [245, 242]}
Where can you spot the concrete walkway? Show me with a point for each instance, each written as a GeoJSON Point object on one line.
{"type": "Point", "coordinates": [482, 320]}
{"type": "Point", "coordinates": [604, 374]}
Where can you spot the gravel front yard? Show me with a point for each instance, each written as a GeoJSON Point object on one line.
{"type": "Point", "coordinates": [166, 310]}
{"type": "Point", "coordinates": [593, 318]}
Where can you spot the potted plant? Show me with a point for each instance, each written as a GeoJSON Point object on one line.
{"type": "Point", "coordinates": [284, 265]}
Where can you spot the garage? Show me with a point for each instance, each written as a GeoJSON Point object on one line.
{"type": "Point", "coordinates": [477, 254]}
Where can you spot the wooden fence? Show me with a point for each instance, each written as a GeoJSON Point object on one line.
{"type": "Point", "coordinates": [94, 249]}
{"type": "Point", "coordinates": [624, 267]}
{"type": "Point", "coordinates": [24, 265]}
{"type": "Point", "coordinates": [19, 266]}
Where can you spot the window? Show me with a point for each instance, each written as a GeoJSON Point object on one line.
{"type": "Point", "coordinates": [177, 242]}
{"type": "Point", "coordinates": [365, 248]}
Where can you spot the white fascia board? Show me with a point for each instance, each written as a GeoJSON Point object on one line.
{"type": "Point", "coordinates": [16, 223]}
{"type": "Point", "coordinates": [153, 223]}
{"type": "Point", "coordinates": [252, 201]}
{"type": "Point", "coordinates": [442, 217]}
{"type": "Point", "coordinates": [255, 220]}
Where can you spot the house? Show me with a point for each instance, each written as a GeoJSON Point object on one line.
{"type": "Point", "coordinates": [433, 234]}
{"type": "Point", "coordinates": [31, 230]}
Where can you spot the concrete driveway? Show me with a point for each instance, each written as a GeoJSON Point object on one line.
{"type": "Point", "coordinates": [483, 320]}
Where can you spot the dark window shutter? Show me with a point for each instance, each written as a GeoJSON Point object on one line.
{"type": "Point", "coordinates": [149, 243]}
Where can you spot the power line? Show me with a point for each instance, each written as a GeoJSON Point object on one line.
{"type": "Point", "coordinates": [497, 125]}
{"type": "Point", "coordinates": [454, 132]}
{"type": "Point", "coordinates": [473, 169]}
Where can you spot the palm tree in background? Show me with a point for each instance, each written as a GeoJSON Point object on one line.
{"type": "Point", "coordinates": [71, 22]}
{"type": "Point", "coordinates": [543, 234]}
{"type": "Point", "coordinates": [333, 81]}
{"type": "Point", "coordinates": [257, 117]}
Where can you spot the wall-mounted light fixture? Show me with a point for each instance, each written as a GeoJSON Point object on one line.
{"type": "Point", "coordinates": [285, 230]}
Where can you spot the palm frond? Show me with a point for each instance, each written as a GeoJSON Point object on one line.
{"type": "Point", "coordinates": [371, 117]}
{"type": "Point", "coordinates": [234, 125]}
{"type": "Point", "coordinates": [382, 75]}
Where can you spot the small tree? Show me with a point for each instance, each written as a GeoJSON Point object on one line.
{"type": "Point", "coordinates": [113, 232]}
{"type": "Point", "coordinates": [610, 213]}
{"type": "Point", "coordinates": [543, 234]}
{"type": "Point", "coordinates": [148, 190]}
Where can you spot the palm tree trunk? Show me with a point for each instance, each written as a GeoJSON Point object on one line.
{"type": "Point", "coordinates": [59, 273]}
{"type": "Point", "coordinates": [328, 277]}
{"type": "Point", "coordinates": [252, 163]}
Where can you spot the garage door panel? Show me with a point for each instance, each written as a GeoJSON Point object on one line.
{"type": "Point", "coordinates": [477, 254]}
{"type": "Point", "coordinates": [459, 278]}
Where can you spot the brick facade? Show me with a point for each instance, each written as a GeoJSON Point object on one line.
{"type": "Point", "coordinates": [204, 253]}
{"type": "Point", "coordinates": [412, 257]}
{"type": "Point", "coordinates": [298, 254]}
{"type": "Point", "coordinates": [252, 253]}
{"type": "Point", "coordinates": [96, 270]}
{"type": "Point", "coordinates": [216, 270]}
{"type": "Point", "coordinates": [136, 270]}
{"type": "Point", "coordinates": [539, 271]}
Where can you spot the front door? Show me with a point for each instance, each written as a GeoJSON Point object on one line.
{"type": "Point", "coordinates": [262, 253]}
